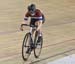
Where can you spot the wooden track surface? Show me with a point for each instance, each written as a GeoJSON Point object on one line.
{"type": "Point", "coordinates": [58, 30]}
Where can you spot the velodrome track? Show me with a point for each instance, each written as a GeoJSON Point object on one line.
{"type": "Point", "coordinates": [58, 30]}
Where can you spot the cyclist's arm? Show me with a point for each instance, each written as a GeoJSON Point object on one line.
{"type": "Point", "coordinates": [25, 19]}
{"type": "Point", "coordinates": [24, 22]}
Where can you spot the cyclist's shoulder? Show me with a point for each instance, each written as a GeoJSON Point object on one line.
{"type": "Point", "coordinates": [38, 11]}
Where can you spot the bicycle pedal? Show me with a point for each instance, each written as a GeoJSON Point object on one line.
{"type": "Point", "coordinates": [32, 47]}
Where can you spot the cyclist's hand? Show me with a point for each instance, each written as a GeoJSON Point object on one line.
{"type": "Point", "coordinates": [21, 28]}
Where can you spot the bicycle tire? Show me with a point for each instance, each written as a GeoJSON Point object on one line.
{"type": "Point", "coordinates": [26, 45]}
{"type": "Point", "coordinates": [37, 53]}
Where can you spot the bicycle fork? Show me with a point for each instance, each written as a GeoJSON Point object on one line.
{"type": "Point", "coordinates": [31, 43]}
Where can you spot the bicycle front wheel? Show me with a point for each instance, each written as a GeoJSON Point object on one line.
{"type": "Point", "coordinates": [26, 50]}
{"type": "Point", "coordinates": [38, 45]}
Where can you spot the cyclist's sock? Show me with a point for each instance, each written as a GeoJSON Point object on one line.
{"type": "Point", "coordinates": [40, 34]}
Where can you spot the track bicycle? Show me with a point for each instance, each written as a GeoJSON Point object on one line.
{"type": "Point", "coordinates": [30, 43]}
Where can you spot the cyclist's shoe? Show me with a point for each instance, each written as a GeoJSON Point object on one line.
{"type": "Point", "coordinates": [39, 39]}
{"type": "Point", "coordinates": [32, 46]}
{"type": "Point", "coordinates": [28, 51]}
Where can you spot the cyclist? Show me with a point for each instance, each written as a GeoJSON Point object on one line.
{"type": "Point", "coordinates": [37, 18]}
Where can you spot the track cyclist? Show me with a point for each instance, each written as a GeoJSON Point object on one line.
{"type": "Point", "coordinates": [37, 18]}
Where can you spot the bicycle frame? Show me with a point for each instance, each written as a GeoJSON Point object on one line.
{"type": "Point", "coordinates": [32, 29]}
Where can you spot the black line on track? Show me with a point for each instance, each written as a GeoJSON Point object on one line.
{"type": "Point", "coordinates": [51, 56]}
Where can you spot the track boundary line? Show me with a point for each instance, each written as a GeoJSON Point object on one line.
{"type": "Point", "coordinates": [58, 43]}
{"type": "Point", "coordinates": [49, 45]}
{"type": "Point", "coordinates": [6, 58]}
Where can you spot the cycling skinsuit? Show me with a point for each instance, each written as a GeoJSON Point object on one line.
{"type": "Point", "coordinates": [36, 17]}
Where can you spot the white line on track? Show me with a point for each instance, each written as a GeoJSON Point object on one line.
{"type": "Point", "coordinates": [66, 60]}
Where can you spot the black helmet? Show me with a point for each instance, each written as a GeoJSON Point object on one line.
{"type": "Point", "coordinates": [32, 8]}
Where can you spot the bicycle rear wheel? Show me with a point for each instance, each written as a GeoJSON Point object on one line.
{"type": "Point", "coordinates": [38, 45]}
{"type": "Point", "coordinates": [26, 50]}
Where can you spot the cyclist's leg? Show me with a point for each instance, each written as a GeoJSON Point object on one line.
{"type": "Point", "coordinates": [39, 31]}
{"type": "Point", "coordinates": [37, 23]}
